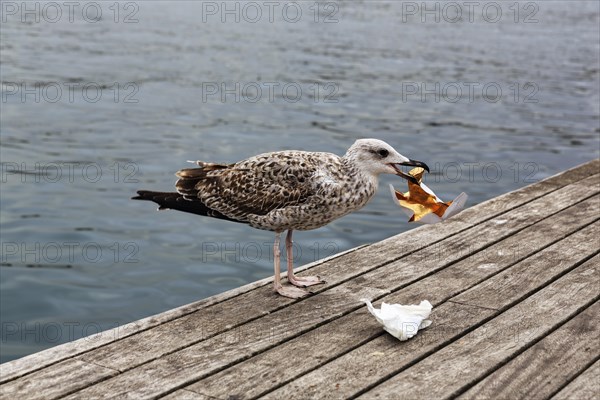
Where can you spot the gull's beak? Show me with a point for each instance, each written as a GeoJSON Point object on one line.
{"type": "Point", "coordinates": [413, 163]}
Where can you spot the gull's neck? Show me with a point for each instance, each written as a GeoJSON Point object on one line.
{"type": "Point", "coordinates": [354, 168]}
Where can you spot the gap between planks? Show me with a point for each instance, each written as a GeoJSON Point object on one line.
{"type": "Point", "coordinates": [584, 386]}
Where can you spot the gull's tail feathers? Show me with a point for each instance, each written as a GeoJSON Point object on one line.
{"type": "Point", "coordinates": [176, 201]}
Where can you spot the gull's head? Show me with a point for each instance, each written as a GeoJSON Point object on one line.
{"type": "Point", "coordinates": [376, 157]}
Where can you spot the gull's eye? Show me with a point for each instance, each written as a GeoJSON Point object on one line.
{"type": "Point", "coordinates": [383, 153]}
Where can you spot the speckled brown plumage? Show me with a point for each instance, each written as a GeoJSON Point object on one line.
{"type": "Point", "coordinates": [278, 191]}
{"type": "Point", "coordinates": [284, 190]}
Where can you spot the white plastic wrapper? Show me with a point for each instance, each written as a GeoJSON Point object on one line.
{"type": "Point", "coordinates": [400, 321]}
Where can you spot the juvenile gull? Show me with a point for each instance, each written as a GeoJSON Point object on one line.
{"type": "Point", "coordinates": [285, 191]}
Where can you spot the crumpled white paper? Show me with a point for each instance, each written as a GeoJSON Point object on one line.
{"type": "Point", "coordinates": [402, 322]}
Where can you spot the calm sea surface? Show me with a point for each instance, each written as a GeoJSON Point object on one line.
{"type": "Point", "coordinates": [94, 108]}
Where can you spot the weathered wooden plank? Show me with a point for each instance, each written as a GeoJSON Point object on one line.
{"type": "Point", "coordinates": [585, 387]}
{"type": "Point", "coordinates": [177, 369]}
{"type": "Point", "coordinates": [542, 370]}
{"type": "Point", "coordinates": [22, 366]}
{"type": "Point", "coordinates": [446, 372]}
{"type": "Point", "coordinates": [492, 208]}
{"type": "Point", "coordinates": [489, 209]}
{"type": "Point", "coordinates": [532, 192]}
{"type": "Point", "coordinates": [183, 394]}
{"type": "Point", "coordinates": [267, 370]}
{"type": "Point", "coordinates": [193, 328]}
{"type": "Point", "coordinates": [9, 371]}
{"type": "Point", "coordinates": [385, 356]}
{"type": "Point", "coordinates": [200, 359]}
{"type": "Point", "coordinates": [65, 377]}
{"type": "Point", "coordinates": [306, 344]}
{"type": "Point", "coordinates": [498, 208]}
{"type": "Point", "coordinates": [485, 235]}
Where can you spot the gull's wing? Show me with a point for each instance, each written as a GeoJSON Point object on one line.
{"type": "Point", "coordinates": [255, 186]}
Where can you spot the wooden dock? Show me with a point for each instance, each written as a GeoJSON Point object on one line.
{"type": "Point", "coordinates": [514, 281]}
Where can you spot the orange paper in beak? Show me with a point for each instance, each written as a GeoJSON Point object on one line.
{"type": "Point", "coordinates": [422, 205]}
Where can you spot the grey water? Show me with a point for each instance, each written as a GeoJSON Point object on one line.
{"type": "Point", "coordinates": [106, 98]}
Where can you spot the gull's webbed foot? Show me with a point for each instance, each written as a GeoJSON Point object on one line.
{"type": "Point", "coordinates": [291, 291]}
{"type": "Point", "coordinates": [305, 281]}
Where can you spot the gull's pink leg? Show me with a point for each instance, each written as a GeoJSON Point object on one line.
{"type": "Point", "coordinates": [287, 291]}
{"type": "Point", "coordinates": [301, 281]}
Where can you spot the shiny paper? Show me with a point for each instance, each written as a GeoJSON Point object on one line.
{"type": "Point", "coordinates": [422, 205]}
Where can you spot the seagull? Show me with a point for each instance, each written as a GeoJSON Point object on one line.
{"type": "Point", "coordinates": [285, 191]}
